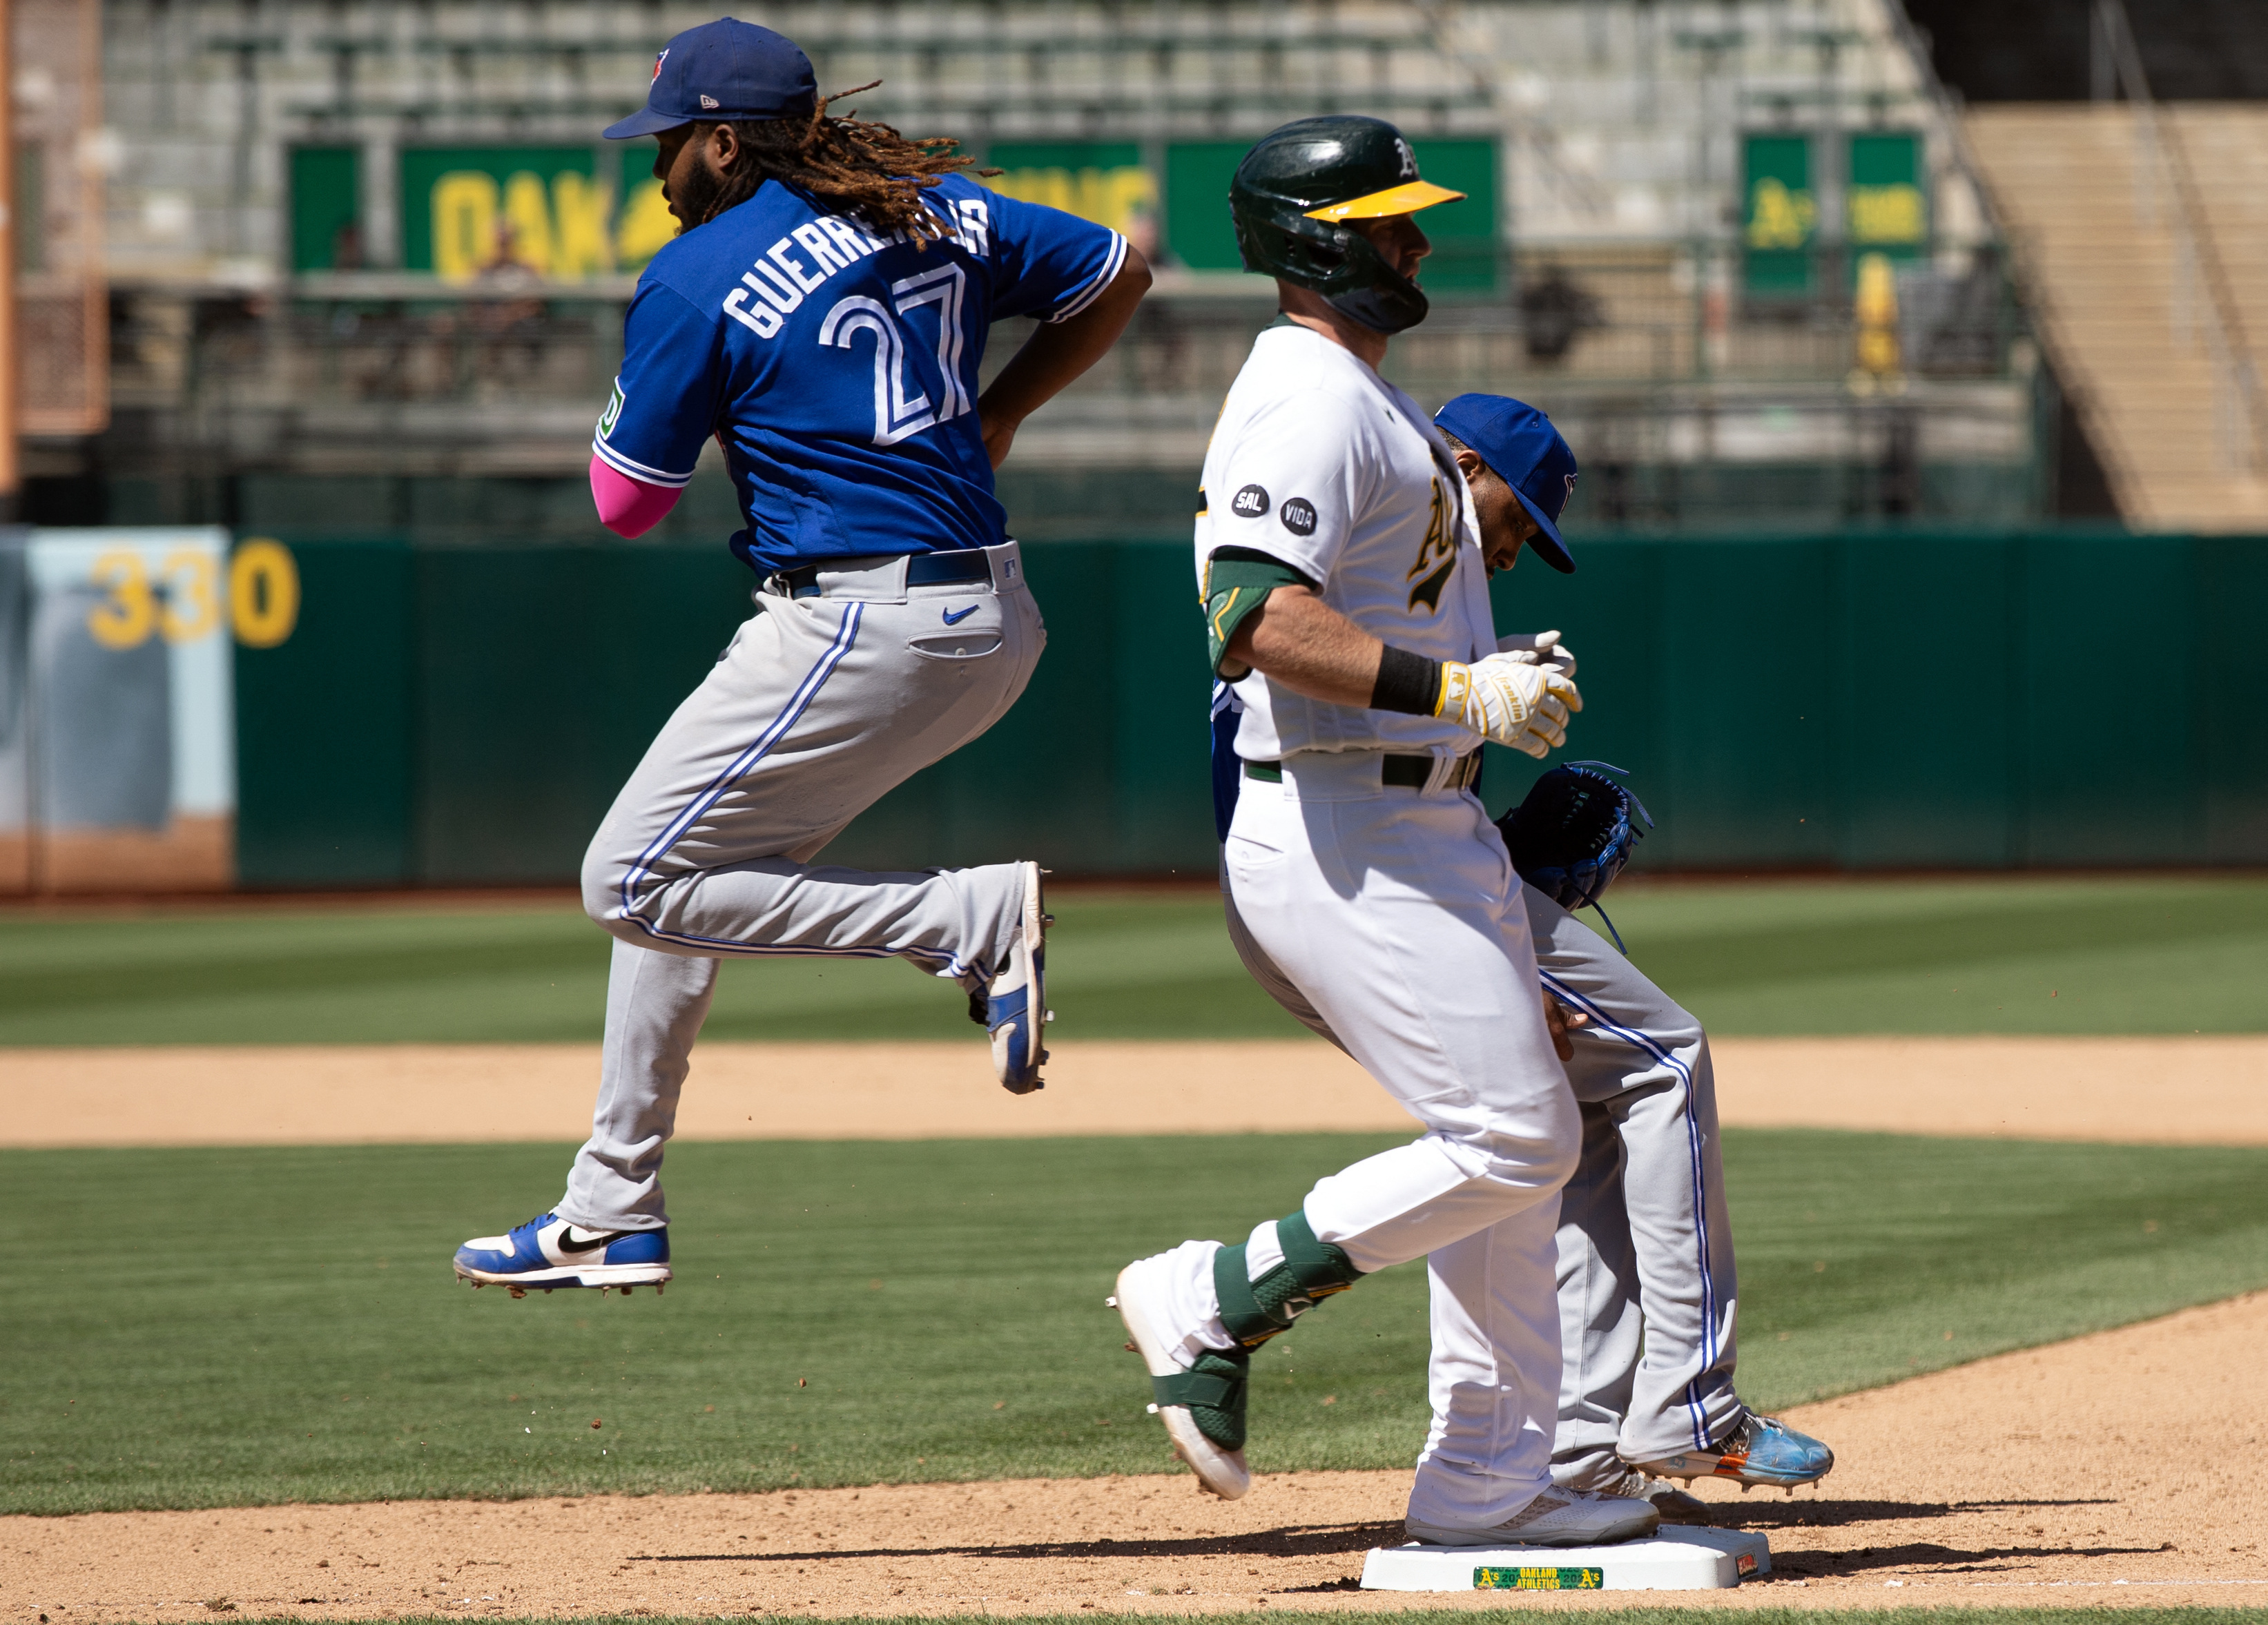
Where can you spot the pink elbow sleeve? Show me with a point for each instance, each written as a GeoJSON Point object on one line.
{"type": "Point", "coordinates": [628, 507]}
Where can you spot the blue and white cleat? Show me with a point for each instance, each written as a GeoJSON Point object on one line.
{"type": "Point", "coordinates": [1758, 1451]}
{"type": "Point", "coordinates": [547, 1252]}
{"type": "Point", "coordinates": [1016, 1004]}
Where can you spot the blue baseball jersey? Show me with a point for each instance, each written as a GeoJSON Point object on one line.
{"type": "Point", "coordinates": [1228, 766]}
{"type": "Point", "coordinates": [838, 369]}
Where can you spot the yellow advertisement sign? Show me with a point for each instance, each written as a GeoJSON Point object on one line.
{"type": "Point", "coordinates": [549, 212]}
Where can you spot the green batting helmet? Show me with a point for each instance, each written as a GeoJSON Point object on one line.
{"type": "Point", "coordinates": [1292, 194]}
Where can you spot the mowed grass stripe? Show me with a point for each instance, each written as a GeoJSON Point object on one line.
{"type": "Point", "coordinates": [2118, 954]}
{"type": "Point", "coordinates": [195, 1328]}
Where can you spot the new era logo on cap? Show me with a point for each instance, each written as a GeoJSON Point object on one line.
{"type": "Point", "coordinates": [709, 101]}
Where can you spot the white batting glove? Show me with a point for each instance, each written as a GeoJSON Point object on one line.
{"type": "Point", "coordinates": [1538, 649]}
{"type": "Point", "coordinates": [1514, 702]}
{"type": "Point", "coordinates": [1547, 729]}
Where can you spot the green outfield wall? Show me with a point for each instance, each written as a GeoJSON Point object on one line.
{"type": "Point", "coordinates": [462, 715]}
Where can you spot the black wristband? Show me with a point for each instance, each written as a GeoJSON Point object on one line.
{"type": "Point", "coordinates": [1406, 682]}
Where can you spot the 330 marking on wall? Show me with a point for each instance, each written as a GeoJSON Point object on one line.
{"type": "Point", "coordinates": [182, 602]}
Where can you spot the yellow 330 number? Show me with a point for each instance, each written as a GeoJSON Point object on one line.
{"type": "Point", "coordinates": [264, 593]}
{"type": "Point", "coordinates": [262, 604]}
{"type": "Point", "coordinates": [127, 617]}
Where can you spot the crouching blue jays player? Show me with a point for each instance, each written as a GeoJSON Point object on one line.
{"type": "Point", "coordinates": [820, 315]}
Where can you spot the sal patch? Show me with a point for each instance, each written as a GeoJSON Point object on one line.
{"type": "Point", "coordinates": [1251, 503]}
{"type": "Point", "coordinates": [1299, 515]}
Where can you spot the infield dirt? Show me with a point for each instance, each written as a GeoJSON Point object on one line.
{"type": "Point", "coordinates": [2202, 1089]}
{"type": "Point", "coordinates": [2120, 1467]}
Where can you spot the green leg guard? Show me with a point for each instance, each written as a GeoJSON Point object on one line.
{"type": "Point", "coordinates": [1256, 1311]}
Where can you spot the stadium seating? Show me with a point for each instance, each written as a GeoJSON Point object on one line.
{"type": "Point", "coordinates": [2122, 310]}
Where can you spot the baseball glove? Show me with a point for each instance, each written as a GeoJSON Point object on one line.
{"type": "Point", "coordinates": [1572, 834]}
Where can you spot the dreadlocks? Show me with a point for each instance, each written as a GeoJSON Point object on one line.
{"type": "Point", "coordinates": [860, 168]}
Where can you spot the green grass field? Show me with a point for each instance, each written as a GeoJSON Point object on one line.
{"type": "Point", "coordinates": [2117, 954]}
{"type": "Point", "coordinates": [201, 1327]}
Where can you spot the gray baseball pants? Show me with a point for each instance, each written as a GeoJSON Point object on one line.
{"type": "Point", "coordinates": [820, 706]}
{"type": "Point", "coordinates": [1647, 1290]}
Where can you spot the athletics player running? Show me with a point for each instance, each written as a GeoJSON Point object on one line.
{"type": "Point", "coordinates": [1347, 597]}
{"type": "Point", "coordinates": [1647, 1286]}
{"type": "Point", "coordinates": [820, 315]}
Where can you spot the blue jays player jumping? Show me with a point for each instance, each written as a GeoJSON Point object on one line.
{"type": "Point", "coordinates": [821, 316]}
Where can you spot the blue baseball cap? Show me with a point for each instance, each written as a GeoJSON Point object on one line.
{"type": "Point", "coordinates": [1520, 445]}
{"type": "Point", "coordinates": [724, 70]}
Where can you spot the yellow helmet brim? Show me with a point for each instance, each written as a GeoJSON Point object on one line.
{"type": "Point", "coordinates": [1406, 199]}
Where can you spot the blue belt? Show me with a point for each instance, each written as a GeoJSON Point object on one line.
{"type": "Point", "coordinates": [922, 569]}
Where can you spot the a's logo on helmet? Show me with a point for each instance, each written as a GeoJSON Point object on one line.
{"type": "Point", "coordinates": [1250, 503]}
{"type": "Point", "coordinates": [658, 60]}
{"type": "Point", "coordinates": [1409, 158]}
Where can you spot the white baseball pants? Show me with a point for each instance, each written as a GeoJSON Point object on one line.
{"type": "Point", "coordinates": [1647, 1284]}
{"type": "Point", "coordinates": [820, 706]}
{"type": "Point", "coordinates": [1394, 915]}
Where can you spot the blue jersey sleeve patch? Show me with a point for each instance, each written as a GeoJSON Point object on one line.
{"type": "Point", "coordinates": [667, 400]}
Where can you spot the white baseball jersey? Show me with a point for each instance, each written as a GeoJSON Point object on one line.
{"type": "Point", "coordinates": [1320, 463]}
